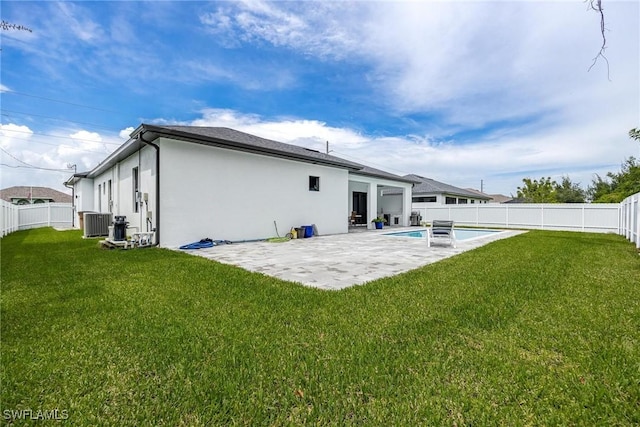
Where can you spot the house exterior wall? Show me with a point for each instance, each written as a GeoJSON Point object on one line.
{"type": "Point", "coordinates": [83, 192]}
{"type": "Point", "coordinates": [392, 205]}
{"type": "Point", "coordinates": [113, 190]}
{"type": "Point", "coordinates": [231, 195]}
{"type": "Point", "coordinates": [378, 204]}
{"type": "Point", "coordinates": [441, 199]}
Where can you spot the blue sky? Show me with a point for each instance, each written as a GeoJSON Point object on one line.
{"type": "Point", "coordinates": [461, 92]}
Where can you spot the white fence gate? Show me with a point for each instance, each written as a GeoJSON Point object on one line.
{"type": "Point", "coordinates": [21, 217]}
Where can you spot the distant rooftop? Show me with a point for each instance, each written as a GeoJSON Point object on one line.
{"type": "Point", "coordinates": [29, 193]}
{"type": "Point", "coordinates": [496, 198]}
{"type": "Point", "coordinates": [431, 186]}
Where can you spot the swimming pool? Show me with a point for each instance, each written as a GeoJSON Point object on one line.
{"type": "Point", "coordinates": [461, 233]}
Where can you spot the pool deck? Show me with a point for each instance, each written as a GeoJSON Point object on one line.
{"type": "Point", "coordinates": [339, 261]}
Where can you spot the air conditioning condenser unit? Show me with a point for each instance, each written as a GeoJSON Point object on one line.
{"type": "Point", "coordinates": [96, 224]}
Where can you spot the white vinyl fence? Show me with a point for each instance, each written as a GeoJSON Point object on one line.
{"type": "Point", "coordinates": [21, 217]}
{"type": "Point", "coordinates": [596, 217]}
{"type": "Point", "coordinates": [630, 218]}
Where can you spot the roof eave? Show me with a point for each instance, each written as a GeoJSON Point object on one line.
{"type": "Point", "coordinates": [452, 193]}
{"type": "Point", "coordinates": [390, 178]}
{"type": "Point", "coordinates": [158, 131]}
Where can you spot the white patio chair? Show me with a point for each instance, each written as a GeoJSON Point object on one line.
{"type": "Point", "coordinates": [441, 230]}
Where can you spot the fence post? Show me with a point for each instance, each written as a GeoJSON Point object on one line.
{"type": "Point", "coordinates": [506, 214]}
{"type": "Point", "coordinates": [637, 217]}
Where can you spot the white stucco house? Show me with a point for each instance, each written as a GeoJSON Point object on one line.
{"type": "Point", "coordinates": [188, 182]}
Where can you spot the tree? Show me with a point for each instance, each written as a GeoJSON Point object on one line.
{"type": "Point", "coordinates": [618, 186]}
{"type": "Point", "coordinates": [548, 191]}
{"type": "Point", "coordinates": [534, 191]}
{"type": "Point", "coordinates": [600, 190]}
{"type": "Point", "coordinates": [569, 192]}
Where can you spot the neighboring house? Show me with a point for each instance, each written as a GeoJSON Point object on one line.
{"type": "Point", "coordinates": [189, 182]}
{"type": "Point", "coordinates": [27, 195]}
{"type": "Point", "coordinates": [427, 192]}
{"type": "Point", "coordinates": [494, 198]}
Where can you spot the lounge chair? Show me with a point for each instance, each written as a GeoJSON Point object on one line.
{"type": "Point", "coordinates": [441, 230]}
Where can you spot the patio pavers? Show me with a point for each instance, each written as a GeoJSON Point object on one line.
{"type": "Point", "coordinates": [340, 261]}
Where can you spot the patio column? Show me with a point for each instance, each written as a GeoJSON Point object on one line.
{"type": "Point", "coordinates": [406, 205]}
{"type": "Point", "coordinates": [372, 203]}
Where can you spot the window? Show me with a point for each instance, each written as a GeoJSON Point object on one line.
{"type": "Point", "coordinates": [136, 188]}
{"type": "Point", "coordinates": [472, 201]}
{"type": "Point", "coordinates": [314, 183]}
{"type": "Point", "coordinates": [462, 201]}
{"type": "Point", "coordinates": [450, 201]}
{"type": "Point", "coordinates": [110, 197]}
{"type": "Point", "coordinates": [427, 199]}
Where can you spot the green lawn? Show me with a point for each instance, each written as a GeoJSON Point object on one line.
{"type": "Point", "coordinates": [539, 329]}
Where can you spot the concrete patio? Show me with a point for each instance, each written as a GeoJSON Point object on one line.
{"type": "Point", "coordinates": [340, 261]}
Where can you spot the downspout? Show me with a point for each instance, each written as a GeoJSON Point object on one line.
{"type": "Point", "coordinates": [73, 203]}
{"type": "Point", "coordinates": [157, 214]}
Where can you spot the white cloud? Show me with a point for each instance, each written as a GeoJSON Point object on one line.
{"type": "Point", "coordinates": [516, 71]}
{"type": "Point", "coordinates": [473, 62]}
{"type": "Point", "coordinates": [81, 25]}
{"type": "Point", "coordinates": [13, 135]}
{"type": "Point", "coordinates": [315, 28]}
{"type": "Point", "coordinates": [53, 149]}
{"type": "Point", "coordinates": [124, 133]}
{"type": "Point", "coordinates": [501, 161]}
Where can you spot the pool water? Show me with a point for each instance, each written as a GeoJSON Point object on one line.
{"type": "Point", "coordinates": [461, 233]}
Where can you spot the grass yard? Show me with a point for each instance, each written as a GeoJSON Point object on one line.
{"type": "Point", "coordinates": [539, 329]}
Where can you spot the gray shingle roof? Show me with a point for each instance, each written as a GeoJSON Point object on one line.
{"type": "Point", "coordinates": [431, 186]}
{"type": "Point", "coordinates": [230, 138]}
{"type": "Point", "coordinates": [234, 140]}
{"type": "Point", "coordinates": [497, 198]}
{"type": "Point", "coordinates": [369, 171]}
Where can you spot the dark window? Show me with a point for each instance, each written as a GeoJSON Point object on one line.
{"type": "Point", "coordinates": [472, 201]}
{"type": "Point", "coordinates": [450, 201]}
{"type": "Point", "coordinates": [462, 201]}
{"type": "Point", "coordinates": [136, 188]}
{"type": "Point", "coordinates": [427, 199]}
{"type": "Point", "coordinates": [314, 183]}
{"type": "Point", "coordinates": [110, 198]}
